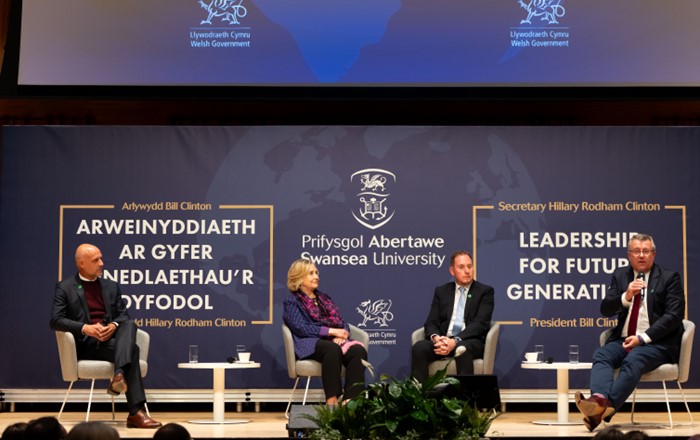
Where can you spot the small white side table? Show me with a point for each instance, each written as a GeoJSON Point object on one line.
{"type": "Point", "coordinates": [219, 387]}
{"type": "Point", "coordinates": [562, 388]}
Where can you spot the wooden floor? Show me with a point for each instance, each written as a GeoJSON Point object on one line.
{"type": "Point", "coordinates": [272, 425]}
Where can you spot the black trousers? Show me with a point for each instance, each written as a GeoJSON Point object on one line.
{"type": "Point", "coordinates": [332, 359]}
{"type": "Point", "coordinates": [121, 349]}
{"type": "Point", "coordinates": [422, 355]}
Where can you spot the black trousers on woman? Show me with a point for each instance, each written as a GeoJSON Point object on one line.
{"type": "Point", "coordinates": [332, 359]}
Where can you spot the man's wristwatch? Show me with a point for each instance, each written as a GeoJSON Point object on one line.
{"type": "Point", "coordinates": [457, 339]}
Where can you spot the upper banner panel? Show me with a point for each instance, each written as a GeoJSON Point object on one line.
{"type": "Point", "coordinates": [362, 42]}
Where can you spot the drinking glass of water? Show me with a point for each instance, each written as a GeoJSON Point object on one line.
{"type": "Point", "coordinates": [573, 354]}
{"type": "Point", "coordinates": [540, 352]}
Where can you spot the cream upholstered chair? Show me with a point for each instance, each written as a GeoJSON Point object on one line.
{"type": "Point", "coordinates": [74, 370]}
{"type": "Point", "coordinates": [677, 372]}
{"type": "Point", "coordinates": [308, 368]}
{"type": "Point", "coordinates": [481, 366]}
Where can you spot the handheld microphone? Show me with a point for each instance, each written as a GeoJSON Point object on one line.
{"type": "Point", "coordinates": [231, 359]}
{"type": "Point", "coordinates": [641, 275]}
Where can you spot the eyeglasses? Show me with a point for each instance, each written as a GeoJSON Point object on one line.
{"type": "Point", "coordinates": [638, 252]}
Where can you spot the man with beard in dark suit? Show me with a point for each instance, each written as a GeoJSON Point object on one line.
{"type": "Point", "coordinates": [93, 310]}
{"type": "Point", "coordinates": [649, 304]}
{"type": "Point", "coordinates": [459, 319]}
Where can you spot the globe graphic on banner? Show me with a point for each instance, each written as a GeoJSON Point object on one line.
{"type": "Point", "coordinates": [299, 170]}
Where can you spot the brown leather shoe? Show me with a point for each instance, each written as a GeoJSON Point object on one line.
{"type": "Point", "coordinates": [594, 409]}
{"type": "Point", "coordinates": [592, 422]}
{"type": "Point", "coordinates": [142, 420]}
{"type": "Point", "coordinates": [117, 385]}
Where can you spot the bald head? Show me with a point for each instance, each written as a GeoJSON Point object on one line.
{"type": "Point", "coordinates": [88, 259]}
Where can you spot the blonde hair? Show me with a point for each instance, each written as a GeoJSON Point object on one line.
{"type": "Point", "coordinates": [297, 272]}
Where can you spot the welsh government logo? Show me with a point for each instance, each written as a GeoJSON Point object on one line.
{"type": "Point", "coordinates": [373, 212]}
{"type": "Point", "coordinates": [547, 10]}
{"type": "Point", "coordinates": [230, 10]}
{"type": "Point", "coordinates": [376, 312]}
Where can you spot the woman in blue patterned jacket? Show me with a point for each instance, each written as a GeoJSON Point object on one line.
{"type": "Point", "coordinates": [320, 333]}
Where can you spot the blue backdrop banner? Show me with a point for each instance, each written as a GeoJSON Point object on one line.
{"type": "Point", "coordinates": [199, 226]}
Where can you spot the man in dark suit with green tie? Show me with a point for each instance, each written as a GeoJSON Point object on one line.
{"type": "Point", "coordinates": [458, 321]}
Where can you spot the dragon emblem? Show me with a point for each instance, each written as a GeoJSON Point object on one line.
{"type": "Point", "coordinates": [230, 10]}
{"type": "Point", "coordinates": [376, 312]}
{"type": "Point", "coordinates": [547, 10]}
{"type": "Point", "coordinates": [373, 183]}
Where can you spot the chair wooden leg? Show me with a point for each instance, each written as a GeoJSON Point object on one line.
{"type": "Point", "coordinates": [92, 388]}
{"type": "Point", "coordinates": [634, 399]}
{"type": "Point", "coordinates": [291, 397]}
{"type": "Point", "coordinates": [65, 399]}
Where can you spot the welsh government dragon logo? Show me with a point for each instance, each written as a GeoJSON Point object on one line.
{"type": "Point", "coordinates": [376, 312]}
{"type": "Point", "coordinates": [547, 10]}
{"type": "Point", "coordinates": [230, 10]}
{"type": "Point", "coordinates": [373, 212]}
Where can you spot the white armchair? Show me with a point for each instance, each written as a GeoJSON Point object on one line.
{"type": "Point", "coordinates": [308, 368]}
{"type": "Point", "coordinates": [73, 369]}
{"type": "Point", "coordinates": [677, 372]}
{"type": "Point", "coordinates": [481, 366]}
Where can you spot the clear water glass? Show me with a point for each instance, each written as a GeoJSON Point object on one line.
{"type": "Point", "coordinates": [573, 354]}
{"type": "Point", "coordinates": [194, 354]}
{"type": "Point", "coordinates": [540, 352]}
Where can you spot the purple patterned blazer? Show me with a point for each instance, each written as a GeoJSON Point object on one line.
{"type": "Point", "coordinates": [305, 331]}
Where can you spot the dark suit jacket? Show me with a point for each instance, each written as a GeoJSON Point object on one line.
{"type": "Point", "coordinates": [477, 311]}
{"type": "Point", "coordinates": [665, 303]}
{"type": "Point", "coordinates": [70, 309]}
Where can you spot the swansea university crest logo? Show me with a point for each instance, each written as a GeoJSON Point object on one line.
{"type": "Point", "coordinates": [376, 313]}
{"type": "Point", "coordinates": [374, 184]}
{"type": "Point", "coordinates": [229, 10]}
{"type": "Point", "coordinates": [547, 10]}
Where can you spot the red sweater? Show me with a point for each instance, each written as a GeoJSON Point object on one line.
{"type": "Point", "coordinates": [95, 300]}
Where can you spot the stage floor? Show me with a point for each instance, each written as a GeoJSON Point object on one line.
{"type": "Point", "coordinates": [272, 425]}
